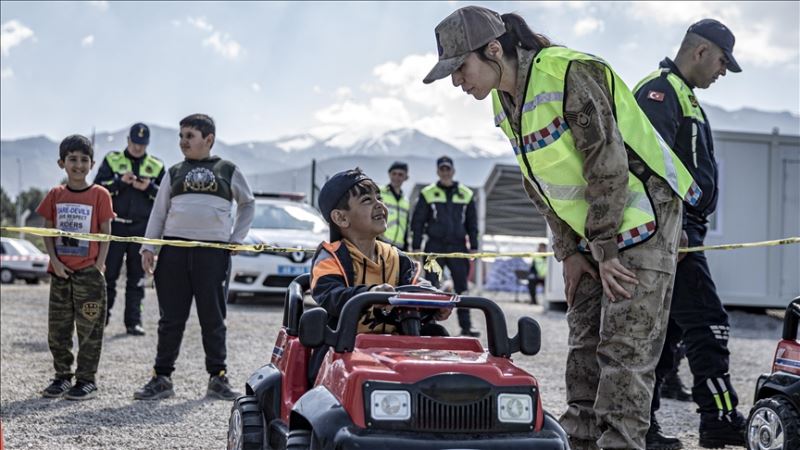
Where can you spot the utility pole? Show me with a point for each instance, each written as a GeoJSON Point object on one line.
{"type": "Point", "coordinates": [19, 194]}
{"type": "Point", "coordinates": [313, 182]}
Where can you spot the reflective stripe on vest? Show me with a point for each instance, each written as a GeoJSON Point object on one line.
{"type": "Point", "coordinates": [397, 220]}
{"type": "Point", "coordinates": [435, 194]}
{"type": "Point", "coordinates": [689, 104]}
{"type": "Point", "coordinates": [120, 164]}
{"type": "Point", "coordinates": [547, 154]}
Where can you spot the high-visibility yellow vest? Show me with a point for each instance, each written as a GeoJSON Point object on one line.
{"type": "Point", "coordinates": [397, 220]}
{"type": "Point", "coordinates": [150, 166]}
{"type": "Point", "coordinates": [432, 193]}
{"type": "Point", "coordinates": [548, 157]}
{"type": "Point", "coordinates": [690, 107]}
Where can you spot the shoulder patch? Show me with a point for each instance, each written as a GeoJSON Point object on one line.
{"type": "Point", "coordinates": [655, 96]}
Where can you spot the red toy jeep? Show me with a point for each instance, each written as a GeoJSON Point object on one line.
{"type": "Point", "coordinates": [394, 391]}
{"type": "Point", "coordinates": [774, 422]}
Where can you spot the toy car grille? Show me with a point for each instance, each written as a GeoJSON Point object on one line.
{"type": "Point", "coordinates": [432, 415]}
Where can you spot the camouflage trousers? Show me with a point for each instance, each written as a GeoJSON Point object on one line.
{"type": "Point", "coordinates": [78, 302]}
{"type": "Point", "coordinates": [614, 346]}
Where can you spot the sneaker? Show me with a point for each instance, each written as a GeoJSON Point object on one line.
{"type": "Point", "coordinates": [672, 387]}
{"type": "Point", "coordinates": [83, 390]}
{"type": "Point", "coordinates": [136, 330]}
{"type": "Point", "coordinates": [469, 332]}
{"type": "Point", "coordinates": [656, 440]}
{"type": "Point", "coordinates": [57, 388]}
{"type": "Point", "coordinates": [716, 432]}
{"type": "Point", "coordinates": [219, 387]}
{"type": "Point", "coordinates": [157, 388]}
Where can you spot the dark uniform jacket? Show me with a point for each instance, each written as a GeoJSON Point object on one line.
{"type": "Point", "coordinates": [130, 203]}
{"type": "Point", "coordinates": [690, 138]}
{"type": "Point", "coordinates": [447, 224]}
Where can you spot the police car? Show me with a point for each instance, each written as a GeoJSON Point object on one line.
{"type": "Point", "coordinates": [21, 259]}
{"type": "Point", "coordinates": [281, 220]}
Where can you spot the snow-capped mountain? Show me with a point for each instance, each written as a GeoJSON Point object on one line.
{"type": "Point", "coordinates": [284, 162]}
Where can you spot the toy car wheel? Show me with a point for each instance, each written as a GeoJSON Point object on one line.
{"type": "Point", "coordinates": [246, 428]}
{"type": "Point", "coordinates": [773, 425]}
{"type": "Point", "coordinates": [299, 440]}
{"type": "Point", "coordinates": [6, 276]}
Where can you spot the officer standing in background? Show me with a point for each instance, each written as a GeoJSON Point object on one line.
{"type": "Point", "coordinates": [445, 213]}
{"type": "Point", "coordinates": [392, 195]}
{"type": "Point", "coordinates": [132, 177]}
{"type": "Point", "coordinates": [667, 98]}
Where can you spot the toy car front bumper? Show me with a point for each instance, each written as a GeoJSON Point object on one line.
{"type": "Point", "coordinates": [351, 438]}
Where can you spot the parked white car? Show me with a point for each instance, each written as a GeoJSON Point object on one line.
{"type": "Point", "coordinates": [21, 259]}
{"type": "Point", "coordinates": [282, 222]}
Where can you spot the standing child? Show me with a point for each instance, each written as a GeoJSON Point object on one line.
{"type": "Point", "coordinates": [77, 286]}
{"type": "Point", "coordinates": [194, 202]}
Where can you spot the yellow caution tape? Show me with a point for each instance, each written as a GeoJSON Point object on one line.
{"type": "Point", "coordinates": [52, 232]}
{"type": "Point", "coordinates": [430, 258]}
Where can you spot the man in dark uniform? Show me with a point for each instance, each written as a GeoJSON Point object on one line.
{"type": "Point", "coordinates": [132, 177]}
{"type": "Point", "coordinates": [668, 99]}
{"type": "Point", "coordinates": [445, 212]}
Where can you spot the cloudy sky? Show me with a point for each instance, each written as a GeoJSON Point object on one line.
{"type": "Point", "coordinates": [267, 70]}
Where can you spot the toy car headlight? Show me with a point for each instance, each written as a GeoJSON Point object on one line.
{"type": "Point", "coordinates": [515, 408]}
{"type": "Point", "coordinates": [390, 405]}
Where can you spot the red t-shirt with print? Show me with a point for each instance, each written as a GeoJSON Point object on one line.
{"type": "Point", "coordinates": [81, 212]}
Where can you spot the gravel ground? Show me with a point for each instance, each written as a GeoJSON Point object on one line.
{"type": "Point", "coordinates": [190, 421]}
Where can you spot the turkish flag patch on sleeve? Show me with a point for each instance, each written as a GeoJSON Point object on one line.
{"type": "Point", "coordinates": [655, 96]}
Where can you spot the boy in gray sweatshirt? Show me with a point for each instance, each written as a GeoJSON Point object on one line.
{"type": "Point", "coordinates": [194, 202]}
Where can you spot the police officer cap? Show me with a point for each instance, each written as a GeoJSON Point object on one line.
{"type": "Point", "coordinates": [398, 165]}
{"type": "Point", "coordinates": [444, 161]}
{"type": "Point", "coordinates": [140, 134]}
{"type": "Point", "coordinates": [333, 190]}
{"type": "Point", "coordinates": [719, 34]}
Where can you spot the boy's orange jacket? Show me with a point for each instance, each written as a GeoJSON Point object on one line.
{"type": "Point", "coordinates": [339, 272]}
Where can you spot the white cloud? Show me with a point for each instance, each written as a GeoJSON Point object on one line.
{"type": "Point", "coordinates": [754, 44]}
{"type": "Point", "coordinates": [343, 93]}
{"type": "Point", "coordinates": [317, 89]}
{"type": "Point", "coordinates": [13, 33]}
{"type": "Point", "coordinates": [101, 5]}
{"type": "Point", "coordinates": [757, 39]}
{"type": "Point", "coordinates": [681, 12]}
{"type": "Point", "coordinates": [176, 23]}
{"type": "Point", "coordinates": [200, 23]}
{"type": "Point", "coordinates": [588, 25]}
{"type": "Point", "coordinates": [255, 87]}
{"type": "Point", "coordinates": [6, 72]}
{"type": "Point", "coordinates": [219, 41]}
{"type": "Point", "coordinates": [396, 98]}
{"type": "Point", "coordinates": [87, 41]}
{"type": "Point", "coordinates": [224, 45]}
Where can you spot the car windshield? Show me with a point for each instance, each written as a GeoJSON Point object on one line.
{"type": "Point", "coordinates": [288, 216]}
{"type": "Point", "coordinates": [32, 249]}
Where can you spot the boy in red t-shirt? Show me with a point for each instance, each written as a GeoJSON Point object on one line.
{"type": "Point", "coordinates": [77, 286]}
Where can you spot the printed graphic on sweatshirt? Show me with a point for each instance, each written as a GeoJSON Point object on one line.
{"type": "Point", "coordinates": [75, 217]}
{"type": "Point", "coordinates": [200, 180]}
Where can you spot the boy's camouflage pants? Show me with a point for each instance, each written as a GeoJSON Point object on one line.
{"type": "Point", "coordinates": [614, 346]}
{"type": "Point", "coordinates": [77, 302]}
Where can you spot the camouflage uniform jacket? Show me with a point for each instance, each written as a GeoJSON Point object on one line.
{"type": "Point", "coordinates": [606, 161]}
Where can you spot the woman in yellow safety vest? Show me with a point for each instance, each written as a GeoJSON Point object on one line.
{"type": "Point", "coordinates": [611, 191]}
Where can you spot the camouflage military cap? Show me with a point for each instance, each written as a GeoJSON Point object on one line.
{"type": "Point", "coordinates": [460, 33]}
